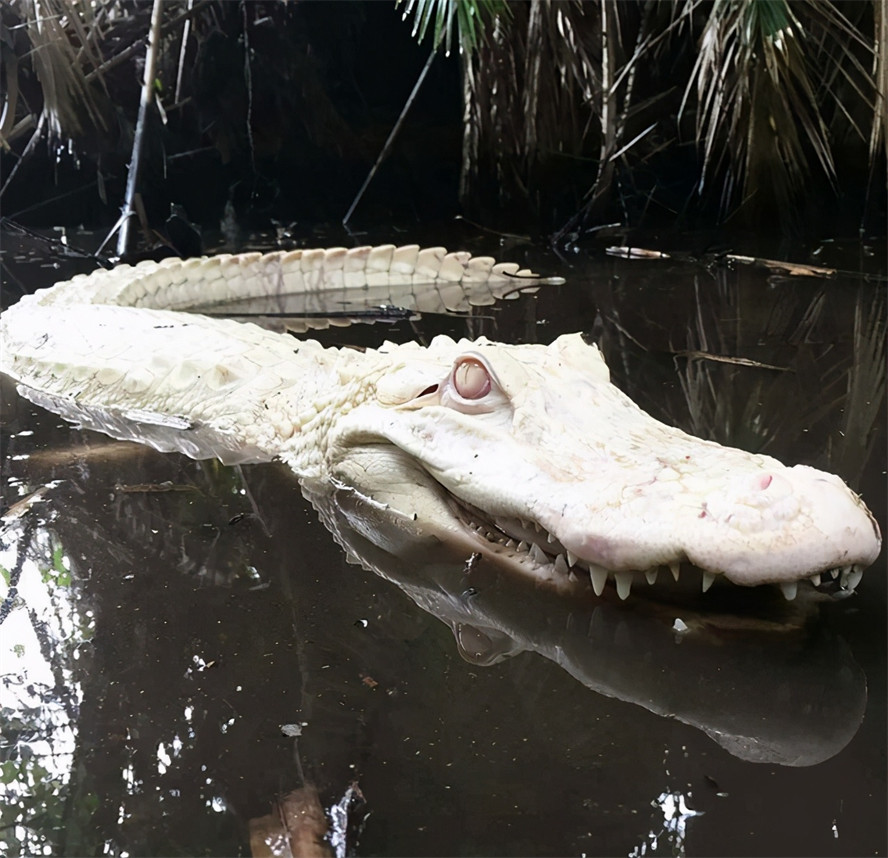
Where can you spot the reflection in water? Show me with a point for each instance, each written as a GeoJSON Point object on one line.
{"type": "Point", "coordinates": [782, 396]}
{"type": "Point", "coordinates": [669, 838]}
{"type": "Point", "coordinates": [40, 690]}
{"type": "Point", "coordinates": [793, 697]}
{"type": "Point", "coordinates": [170, 617]}
{"type": "Point", "coordinates": [56, 787]}
{"type": "Point", "coordinates": [765, 687]}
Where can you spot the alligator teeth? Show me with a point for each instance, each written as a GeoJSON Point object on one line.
{"type": "Point", "coordinates": [850, 577]}
{"type": "Point", "coordinates": [571, 559]}
{"type": "Point", "coordinates": [550, 538]}
{"type": "Point", "coordinates": [523, 547]}
{"type": "Point", "coordinates": [624, 584]}
{"type": "Point", "coordinates": [538, 555]}
{"type": "Point", "coordinates": [789, 590]}
{"type": "Point", "coordinates": [708, 578]}
{"type": "Point", "coordinates": [560, 564]}
{"type": "Point", "coordinates": [651, 575]}
{"type": "Point", "coordinates": [815, 579]}
{"type": "Point", "coordinates": [833, 573]}
{"type": "Point", "coordinates": [675, 568]}
{"type": "Point", "coordinates": [598, 574]}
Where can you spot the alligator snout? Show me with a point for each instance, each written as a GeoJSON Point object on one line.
{"type": "Point", "coordinates": [763, 501]}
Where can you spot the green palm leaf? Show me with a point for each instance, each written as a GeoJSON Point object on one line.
{"type": "Point", "coordinates": [471, 16]}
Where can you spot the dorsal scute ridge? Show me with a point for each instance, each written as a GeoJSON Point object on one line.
{"type": "Point", "coordinates": [203, 281]}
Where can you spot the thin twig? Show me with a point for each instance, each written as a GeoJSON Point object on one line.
{"type": "Point", "coordinates": [132, 179]}
{"type": "Point", "coordinates": [397, 127]}
{"type": "Point", "coordinates": [32, 143]}
{"type": "Point", "coordinates": [186, 32]}
{"type": "Point", "coordinates": [50, 201]}
{"type": "Point", "coordinates": [248, 80]}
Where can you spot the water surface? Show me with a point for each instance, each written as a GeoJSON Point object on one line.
{"type": "Point", "coordinates": [188, 643]}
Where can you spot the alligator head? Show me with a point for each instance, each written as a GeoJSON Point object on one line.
{"type": "Point", "coordinates": [532, 454]}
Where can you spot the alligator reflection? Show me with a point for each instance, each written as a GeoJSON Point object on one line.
{"type": "Point", "coordinates": [768, 687]}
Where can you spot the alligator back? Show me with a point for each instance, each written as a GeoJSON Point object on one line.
{"type": "Point", "coordinates": [112, 351]}
{"type": "Point", "coordinates": [422, 279]}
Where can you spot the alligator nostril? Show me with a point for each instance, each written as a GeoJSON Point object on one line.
{"type": "Point", "coordinates": [765, 481]}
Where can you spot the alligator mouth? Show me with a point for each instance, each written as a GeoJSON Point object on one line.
{"type": "Point", "coordinates": [542, 556]}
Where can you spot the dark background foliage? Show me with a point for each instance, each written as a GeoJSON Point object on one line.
{"type": "Point", "coordinates": [555, 118]}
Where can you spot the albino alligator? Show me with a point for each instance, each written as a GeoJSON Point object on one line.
{"type": "Point", "coordinates": [527, 451]}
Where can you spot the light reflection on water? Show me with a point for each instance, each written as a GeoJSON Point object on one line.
{"type": "Point", "coordinates": [669, 837]}
{"type": "Point", "coordinates": [160, 640]}
{"type": "Point", "coordinates": [39, 694]}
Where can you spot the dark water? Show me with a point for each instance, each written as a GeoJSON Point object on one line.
{"type": "Point", "coordinates": [177, 623]}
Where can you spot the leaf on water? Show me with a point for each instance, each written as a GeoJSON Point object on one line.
{"type": "Point", "coordinates": [636, 253]}
{"type": "Point", "coordinates": [166, 486]}
{"type": "Point", "coordinates": [739, 361]}
{"type": "Point", "coordinates": [297, 826]}
{"type": "Point", "coordinates": [19, 508]}
{"type": "Point", "coordinates": [797, 269]}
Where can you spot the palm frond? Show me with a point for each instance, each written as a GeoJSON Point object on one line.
{"type": "Point", "coordinates": [473, 19]}
{"type": "Point", "coordinates": [880, 76]}
{"type": "Point", "coordinates": [766, 75]}
{"type": "Point", "coordinates": [64, 36]}
{"type": "Point", "coordinates": [532, 90]}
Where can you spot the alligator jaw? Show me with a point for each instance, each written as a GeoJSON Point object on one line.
{"type": "Point", "coordinates": [538, 554]}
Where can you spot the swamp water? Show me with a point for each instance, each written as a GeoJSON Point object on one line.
{"type": "Point", "coordinates": [188, 643]}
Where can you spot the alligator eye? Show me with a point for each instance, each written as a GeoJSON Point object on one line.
{"type": "Point", "coordinates": [471, 379]}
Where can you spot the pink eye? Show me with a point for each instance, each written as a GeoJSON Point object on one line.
{"type": "Point", "coordinates": [471, 379]}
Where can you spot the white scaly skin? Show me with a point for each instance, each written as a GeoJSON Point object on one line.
{"type": "Point", "coordinates": [527, 449]}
